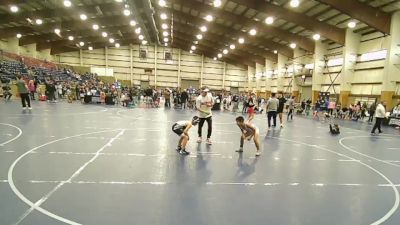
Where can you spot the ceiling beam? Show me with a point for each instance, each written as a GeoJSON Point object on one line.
{"type": "Point", "coordinates": [31, 39]}
{"type": "Point", "coordinates": [373, 17]}
{"type": "Point", "coordinates": [328, 31]}
{"type": "Point", "coordinates": [128, 35]}
{"type": "Point", "coordinates": [59, 12]}
{"type": "Point", "coordinates": [81, 33]}
{"type": "Point", "coordinates": [204, 51]}
{"type": "Point", "coordinates": [208, 54]}
{"type": "Point", "coordinates": [12, 2]}
{"type": "Point", "coordinates": [61, 49]}
{"type": "Point", "coordinates": [232, 34]}
{"type": "Point", "coordinates": [184, 44]}
{"type": "Point", "coordinates": [238, 53]}
{"type": "Point", "coordinates": [96, 45]}
{"type": "Point", "coordinates": [261, 27]}
{"type": "Point", "coordinates": [78, 34]}
{"type": "Point", "coordinates": [221, 40]}
{"type": "Point", "coordinates": [67, 27]}
{"type": "Point", "coordinates": [10, 32]}
{"type": "Point", "coordinates": [205, 45]}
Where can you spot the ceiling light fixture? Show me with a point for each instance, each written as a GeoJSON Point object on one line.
{"type": "Point", "coordinates": [195, 42]}
{"type": "Point", "coordinates": [219, 55]}
{"type": "Point", "coordinates": [14, 8]}
{"type": "Point", "coordinates": [111, 40]}
{"type": "Point", "coordinates": [83, 17]}
{"type": "Point", "coordinates": [316, 37]}
{"type": "Point", "coordinates": [225, 51]}
{"type": "Point", "coordinates": [127, 12]}
{"type": "Point", "coordinates": [165, 33]}
{"type": "Point", "coordinates": [67, 3]}
{"type": "Point", "coordinates": [163, 16]}
{"type": "Point", "coordinates": [232, 46]}
{"type": "Point", "coordinates": [166, 39]}
{"type": "Point", "coordinates": [199, 36]}
{"type": "Point", "coordinates": [141, 37]}
{"type": "Point", "coordinates": [275, 52]}
{"type": "Point", "coordinates": [81, 43]}
{"type": "Point", "coordinates": [351, 24]}
{"type": "Point", "coordinates": [57, 31]}
{"type": "Point", "coordinates": [162, 3]}
{"type": "Point", "coordinates": [118, 0]}
{"type": "Point", "coordinates": [117, 45]}
{"type": "Point", "coordinates": [269, 20]}
{"type": "Point", "coordinates": [253, 32]}
{"type": "Point", "coordinates": [193, 47]}
{"type": "Point", "coordinates": [144, 42]}
{"type": "Point", "coordinates": [294, 3]}
{"type": "Point", "coordinates": [191, 52]}
{"type": "Point", "coordinates": [95, 27]}
{"type": "Point", "coordinates": [217, 3]}
{"type": "Point", "coordinates": [203, 28]}
{"type": "Point", "coordinates": [138, 30]}
{"type": "Point", "coordinates": [90, 48]}
{"type": "Point", "coordinates": [293, 45]}
{"type": "Point", "coordinates": [165, 44]}
{"type": "Point", "coordinates": [241, 40]}
{"type": "Point", "coordinates": [209, 18]}
{"type": "Point", "coordinates": [215, 58]}
{"type": "Point", "coordinates": [19, 36]}
{"type": "Point", "coordinates": [164, 26]}
{"type": "Point", "coordinates": [133, 23]}
{"type": "Point", "coordinates": [104, 34]}
{"type": "Point", "coordinates": [39, 21]}
{"type": "Point", "coordinates": [71, 38]}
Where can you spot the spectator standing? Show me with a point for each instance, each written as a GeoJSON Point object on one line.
{"type": "Point", "coordinates": [272, 108]}
{"type": "Point", "coordinates": [308, 107]}
{"type": "Point", "coordinates": [380, 114]}
{"type": "Point", "coordinates": [23, 92]}
{"type": "Point", "coordinates": [32, 89]}
{"type": "Point", "coordinates": [51, 89]}
{"type": "Point", "coordinates": [290, 103]}
{"type": "Point", "coordinates": [331, 107]}
{"type": "Point", "coordinates": [235, 101]}
{"type": "Point", "coordinates": [281, 105]}
{"type": "Point", "coordinates": [184, 98]}
{"type": "Point", "coordinates": [371, 112]}
{"type": "Point", "coordinates": [167, 96]}
{"type": "Point", "coordinates": [244, 99]}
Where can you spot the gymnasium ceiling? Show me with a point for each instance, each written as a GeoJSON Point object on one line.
{"type": "Point", "coordinates": [231, 20]}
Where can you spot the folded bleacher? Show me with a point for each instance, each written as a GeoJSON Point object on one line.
{"type": "Point", "coordinates": [10, 69]}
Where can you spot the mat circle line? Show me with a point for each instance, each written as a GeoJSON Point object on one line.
{"type": "Point", "coordinates": [363, 154]}
{"type": "Point", "coordinates": [14, 138]}
{"type": "Point", "coordinates": [391, 184]}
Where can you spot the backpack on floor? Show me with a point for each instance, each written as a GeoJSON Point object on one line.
{"type": "Point", "coordinates": [334, 129]}
{"type": "Point", "coordinates": [42, 98]}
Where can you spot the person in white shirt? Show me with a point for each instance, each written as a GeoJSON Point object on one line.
{"type": "Point", "coordinates": [380, 114]}
{"type": "Point", "coordinates": [204, 103]}
{"type": "Point", "coordinates": [271, 108]}
{"type": "Point", "coordinates": [290, 103]}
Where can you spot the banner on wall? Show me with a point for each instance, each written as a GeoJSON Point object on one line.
{"type": "Point", "coordinates": [101, 71]}
{"type": "Point", "coordinates": [323, 99]}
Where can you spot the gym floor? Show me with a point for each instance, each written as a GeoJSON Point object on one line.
{"type": "Point", "coordinates": [94, 165]}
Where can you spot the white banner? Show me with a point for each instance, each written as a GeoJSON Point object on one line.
{"type": "Point", "coordinates": [101, 71]}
